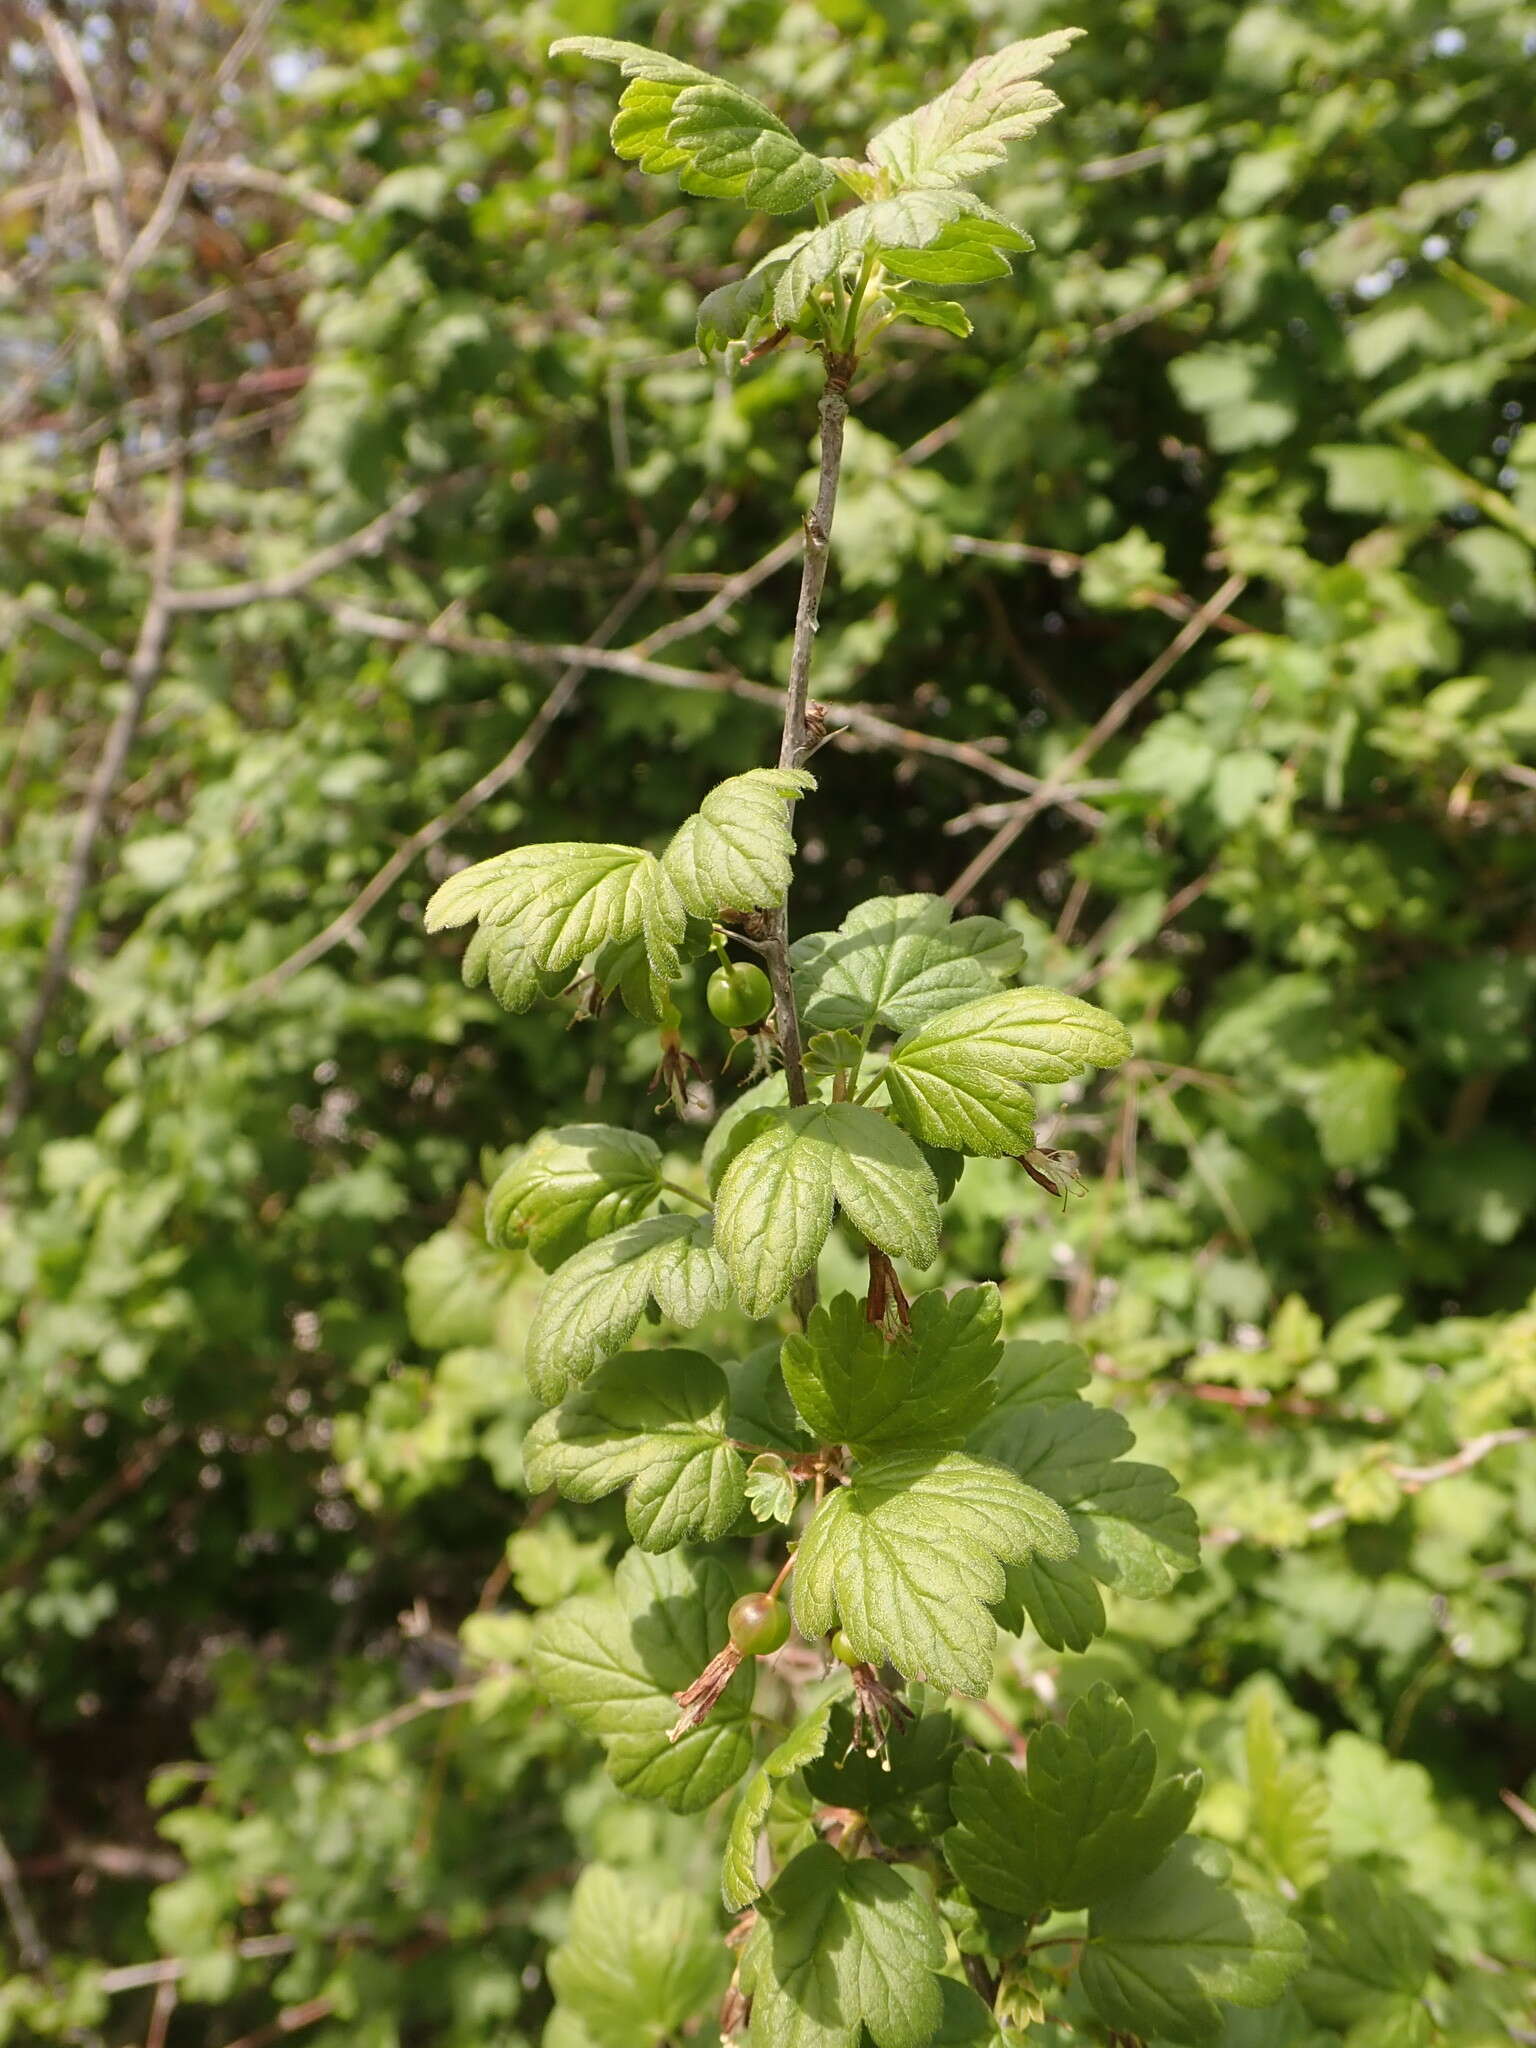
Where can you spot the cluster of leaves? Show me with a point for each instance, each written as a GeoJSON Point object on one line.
{"type": "Point", "coordinates": [1279, 318]}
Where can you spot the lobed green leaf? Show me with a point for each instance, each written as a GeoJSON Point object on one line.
{"type": "Point", "coordinates": [654, 1422]}
{"type": "Point", "coordinates": [571, 1185]}
{"type": "Point", "coordinates": [965, 131]}
{"type": "Point", "coordinates": [1164, 1955]}
{"type": "Point", "coordinates": [775, 1200]}
{"type": "Point", "coordinates": [1080, 1822]}
{"type": "Point", "coordinates": [899, 961]}
{"type": "Point", "coordinates": [907, 1555]}
{"type": "Point", "coordinates": [593, 1304]}
{"type": "Point", "coordinates": [965, 1079]}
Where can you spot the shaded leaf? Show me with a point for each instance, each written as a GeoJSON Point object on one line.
{"type": "Point", "coordinates": [1082, 1820]}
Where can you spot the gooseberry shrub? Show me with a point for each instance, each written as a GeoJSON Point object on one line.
{"type": "Point", "coordinates": [880, 1469]}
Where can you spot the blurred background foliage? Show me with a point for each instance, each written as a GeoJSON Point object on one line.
{"type": "Point", "coordinates": [1225, 517]}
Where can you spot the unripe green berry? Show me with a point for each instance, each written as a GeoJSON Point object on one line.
{"type": "Point", "coordinates": [843, 1650]}
{"type": "Point", "coordinates": [759, 1625]}
{"type": "Point", "coordinates": [739, 995]}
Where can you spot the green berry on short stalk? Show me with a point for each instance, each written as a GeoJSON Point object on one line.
{"type": "Point", "coordinates": [759, 1624]}
{"type": "Point", "coordinates": [843, 1650]}
{"type": "Point", "coordinates": [739, 995]}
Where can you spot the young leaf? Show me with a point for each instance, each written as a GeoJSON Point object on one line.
{"type": "Point", "coordinates": [634, 1964]}
{"type": "Point", "coordinates": [926, 1389]}
{"type": "Point", "coordinates": [964, 1080]}
{"type": "Point", "coordinates": [801, 1746]}
{"type": "Point", "coordinates": [932, 237]}
{"type": "Point", "coordinates": [967, 129]}
{"type": "Point", "coordinates": [733, 148]}
{"type": "Point", "coordinates": [945, 314]}
{"type": "Point", "coordinates": [898, 961]}
{"type": "Point", "coordinates": [1163, 1954]}
{"type": "Point", "coordinates": [593, 1305]}
{"type": "Point", "coordinates": [497, 956]}
{"type": "Point", "coordinates": [907, 1555]}
{"type": "Point", "coordinates": [720, 140]}
{"type": "Point", "coordinates": [571, 1185]}
{"type": "Point", "coordinates": [775, 1200]}
{"type": "Point", "coordinates": [734, 853]}
{"type": "Point", "coordinates": [1082, 1821]}
{"type": "Point", "coordinates": [614, 1662]}
{"type": "Point", "coordinates": [839, 1947]}
{"type": "Point", "coordinates": [733, 311]}
{"type": "Point", "coordinates": [654, 1421]}
{"type": "Point", "coordinates": [558, 903]}
{"type": "Point", "coordinates": [771, 1488]}
{"type": "Point", "coordinates": [1287, 1800]}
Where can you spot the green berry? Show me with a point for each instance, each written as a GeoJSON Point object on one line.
{"type": "Point", "coordinates": [739, 995]}
{"type": "Point", "coordinates": [759, 1625]}
{"type": "Point", "coordinates": [843, 1650]}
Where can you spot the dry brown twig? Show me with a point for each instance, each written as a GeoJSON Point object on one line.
{"type": "Point", "coordinates": [435, 829]}
{"type": "Point", "coordinates": [144, 666]}
{"type": "Point", "coordinates": [1192, 631]}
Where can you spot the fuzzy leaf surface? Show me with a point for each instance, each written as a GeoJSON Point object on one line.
{"type": "Point", "coordinates": [900, 962]}
{"type": "Point", "coordinates": [735, 852]}
{"type": "Point", "coordinates": [839, 1947]}
{"type": "Point", "coordinates": [654, 1422]}
{"type": "Point", "coordinates": [722, 143]}
{"type": "Point", "coordinates": [1083, 1819]}
{"type": "Point", "coordinates": [734, 148]}
{"type": "Point", "coordinates": [927, 1388]}
{"type": "Point", "coordinates": [570, 1186]}
{"type": "Point", "coordinates": [1165, 1954]}
{"type": "Point", "coordinates": [592, 1306]}
{"type": "Point", "coordinates": [965, 1080]}
{"type": "Point", "coordinates": [965, 131]}
{"type": "Point", "coordinates": [559, 902]}
{"type": "Point", "coordinates": [801, 1746]}
{"type": "Point", "coordinates": [907, 1555]}
{"type": "Point", "coordinates": [613, 1661]}
{"type": "Point", "coordinates": [775, 1201]}
{"type": "Point", "coordinates": [933, 237]}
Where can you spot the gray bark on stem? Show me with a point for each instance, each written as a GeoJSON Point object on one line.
{"type": "Point", "coordinates": [795, 743]}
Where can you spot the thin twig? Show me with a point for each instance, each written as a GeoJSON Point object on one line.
{"type": "Point", "coordinates": [1411, 1478]}
{"type": "Point", "coordinates": [31, 1948]}
{"type": "Point", "coordinates": [859, 719]}
{"type": "Point", "coordinates": [144, 666]}
{"type": "Point", "coordinates": [367, 540]}
{"type": "Point", "coordinates": [430, 1702]}
{"type": "Point", "coordinates": [160, 2014]}
{"type": "Point", "coordinates": [166, 1969]}
{"type": "Point", "coordinates": [725, 599]}
{"type": "Point", "coordinates": [511, 765]}
{"type": "Point", "coordinates": [179, 176]}
{"type": "Point", "coordinates": [1189, 634]}
{"type": "Point", "coordinates": [1062, 562]}
{"type": "Point", "coordinates": [795, 741]}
